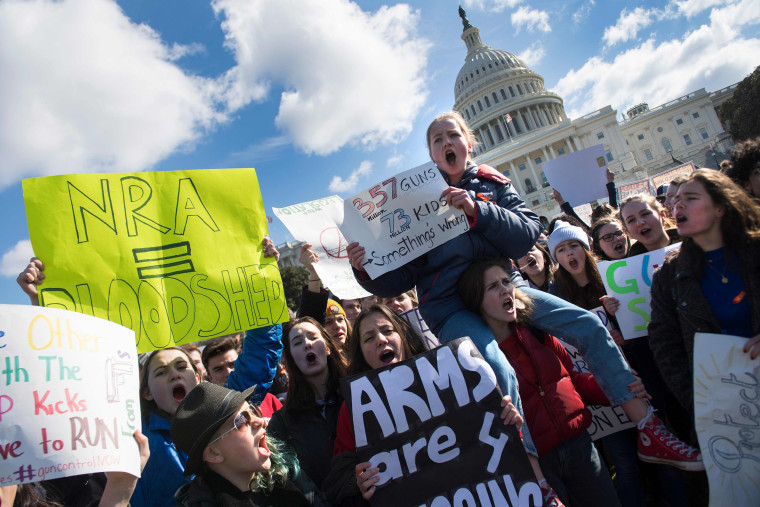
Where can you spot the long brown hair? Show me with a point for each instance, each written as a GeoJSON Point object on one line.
{"type": "Point", "coordinates": [472, 288]}
{"type": "Point", "coordinates": [741, 216]}
{"type": "Point", "coordinates": [653, 203]}
{"type": "Point", "coordinates": [585, 298]}
{"type": "Point", "coordinates": [548, 267]}
{"type": "Point", "coordinates": [301, 396]}
{"type": "Point", "coordinates": [412, 341]}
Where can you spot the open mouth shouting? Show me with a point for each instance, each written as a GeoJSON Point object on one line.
{"type": "Point", "coordinates": [451, 157]}
{"type": "Point", "coordinates": [573, 264]}
{"type": "Point", "coordinates": [311, 359]}
{"type": "Point", "coordinates": [179, 392]}
{"type": "Point", "coordinates": [263, 449]}
{"type": "Point", "coordinates": [387, 356]}
{"type": "Point", "coordinates": [509, 305]}
{"type": "Point", "coordinates": [619, 248]}
{"type": "Point", "coordinates": [680, 218]}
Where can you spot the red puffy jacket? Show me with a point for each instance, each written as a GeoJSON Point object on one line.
{"type": "Point", "coordinates": [552, 392]}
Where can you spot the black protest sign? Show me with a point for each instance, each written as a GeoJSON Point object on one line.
{"type": "Point", "coordinates": [431, 425]}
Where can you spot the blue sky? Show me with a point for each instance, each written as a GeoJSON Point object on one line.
{"type": "Point", "coordinates": [319, 96]}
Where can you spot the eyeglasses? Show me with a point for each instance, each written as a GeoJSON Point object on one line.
{"type": "Point", "coordinates": [242, 420]}
{"type": "Point", "coordinates": [607, 238]}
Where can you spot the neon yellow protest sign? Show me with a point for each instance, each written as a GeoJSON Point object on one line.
{"type": "Point", "coordinates": [174, 256]}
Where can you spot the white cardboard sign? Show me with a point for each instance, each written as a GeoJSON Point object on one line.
{"type": "Point", "coordinates": [630, 281]}
{"type": "Point", "coordinates": [401, 218]}
{"type": "Point", "coordinates": [580, 177]}
{"type": "Point", "coordinates": [69, 402]}
{"type": "Point", "coordinates": [727, 417]}
{"type": "Point", "coordinates": [318, 223]}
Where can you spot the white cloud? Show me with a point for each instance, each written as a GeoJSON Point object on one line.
{"type": "Point", "coordinates": [15, 260]}
{"type": "Point", "coordinates": [691, 8]}
{"type": "Point", "coordinates": [348, 76]}
{"type": "Point", "coordinates": [395, 161]}
{"type": "Point", "coordinates": [532, 19]}
{"type": "Point", "coordinates": [628, 25]}
{"type": "Point", "coordinates": [338, 184]}
{"type": "Point", "coordinates": [491, 5]}
{"type": "Point", "coordinates": [710, 56]}
{"type": "Point", "coordinates": [178, 51]}
{"type": "Point", "coordinates": [583, 11]}
{"type": "Point", "coordinates": [268, 149]}
{"type": "Point", "coordinates": [532, 55]}
{"type": "Point", "coordinates": [83, 89]}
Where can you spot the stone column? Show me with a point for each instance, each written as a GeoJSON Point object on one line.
{"type": "Point", "coordinates": [526, 119]}
{"type": "Point", "coordinates": [500, 131]}
{"type": "Point", "coordinates": [541, 116]}
{"type": "Point", "coordinates": [535, 181]}
{"type": "Point", "coordinates": [483, 139]}
{"type": "Point", "coordinates": [491, 136]}
{"type": "Point", "coordinates": [510, 125]}
{"type": "Point", "coordinates": [516, 179]}
{"type": "Point", "coordinates": [519, 117]}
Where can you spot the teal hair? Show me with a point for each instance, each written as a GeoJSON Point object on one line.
{"type": "Point", "coordinates": [284, 466]}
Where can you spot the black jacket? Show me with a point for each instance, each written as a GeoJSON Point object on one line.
{"type": "Point", "coordinates": [680, 309]}
{"type": "Point", "coordinates": [309, 434]}
{"type": "Point", "coordinates": [214, 490]}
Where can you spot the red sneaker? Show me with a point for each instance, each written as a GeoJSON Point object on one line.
{"type": "Point", "coordinates": [658, 445]}
{"type": "Point", "coordinates": [550, 497]}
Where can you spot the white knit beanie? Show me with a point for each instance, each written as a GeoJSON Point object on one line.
{"type": "Point", "coordinates": [564, 231]}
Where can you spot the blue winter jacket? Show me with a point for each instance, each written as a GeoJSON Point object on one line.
{"type": "Point", "coordinates": [504, 227]}
{"type": "Point", "coordinates": [257, 363]}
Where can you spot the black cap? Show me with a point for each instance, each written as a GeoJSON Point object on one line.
{"type": "Point", "coordinates": [199, 415]}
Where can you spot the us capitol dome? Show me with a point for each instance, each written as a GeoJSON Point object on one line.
{"type": "Point", "coordinates": [519, 124]}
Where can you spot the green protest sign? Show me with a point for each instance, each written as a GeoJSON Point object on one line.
{"type": "Point", "coordinates": [174, 256]}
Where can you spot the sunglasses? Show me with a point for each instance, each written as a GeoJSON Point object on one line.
{"type": "Point", "coordinates": [607, 238]}
{"type": "Point", "coordinates": [242, 420]}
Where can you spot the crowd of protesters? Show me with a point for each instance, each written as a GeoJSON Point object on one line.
{"type": "Point", "coordinates": [259, 419]}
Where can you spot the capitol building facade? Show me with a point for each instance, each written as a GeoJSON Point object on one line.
{"type": "Point", "coordinates": [494, 86]}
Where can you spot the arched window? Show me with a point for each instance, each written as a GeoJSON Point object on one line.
{"type": "Point", "coordinates": [488, 102]}
{"type": "Point", "coordinates": [495, 98]}
{"type": "Point", "coordinates": [480, 106]}
{"type": "Point", "coordinates": [503, 95]}
{"type": "Point", "coordinates": [511, 91]}
{"type": "Point", "coordinates": [666, 144]}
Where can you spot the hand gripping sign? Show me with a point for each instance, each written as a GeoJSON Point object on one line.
{"type": "Point", "coordinates": [69, 402]}
{"type": "Point", "coordinates": [431, 424]}
{"type": "Point", "coordinates": [174, 256]}
{"type": "Point", "coordinates": [630, 281]}
{"type": "Point", "coordinates": [401, 218]}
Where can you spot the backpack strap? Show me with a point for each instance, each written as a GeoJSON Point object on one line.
{"type": "Point", "coordinates": [489, 173]}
